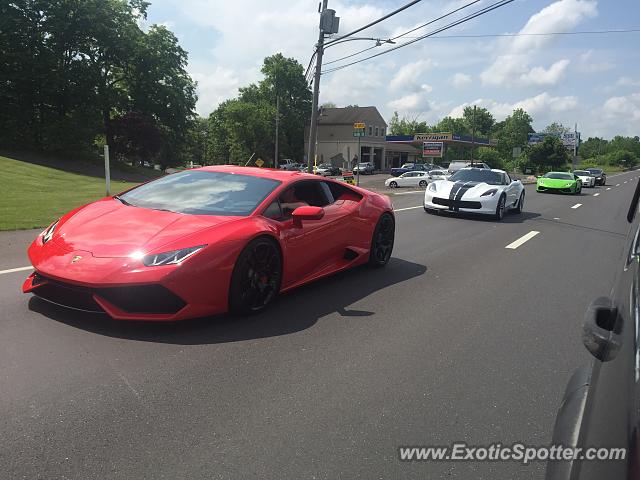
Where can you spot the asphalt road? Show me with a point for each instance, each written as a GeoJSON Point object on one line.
{"type": "Point", "coordinates": [458, 339]}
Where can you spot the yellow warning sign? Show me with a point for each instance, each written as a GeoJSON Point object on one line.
{"type": "Point", "coordinates": [259, 162]}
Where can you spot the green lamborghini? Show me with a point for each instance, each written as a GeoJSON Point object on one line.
{"type": "Point", "coordinates": [562, 182]}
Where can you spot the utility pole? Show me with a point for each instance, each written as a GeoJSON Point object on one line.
{"type": "Point", "coordinates": [328, 24]}
{"type": "Point", "coordinates": [275, 160]}
{"type": "Point", "coordinates": [107, 170]}
{"type": "Point", "coordinates": [473, 133]}
{"type": "Point", "coordinates": [575, 146]}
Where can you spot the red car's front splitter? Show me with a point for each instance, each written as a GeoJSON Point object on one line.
{"type": "Point", "coordinates": [92, 298]}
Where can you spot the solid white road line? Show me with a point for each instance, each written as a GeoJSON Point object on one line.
{"type": "Point", "coordinates": [13, 270]}
{"type": "Point", "coordinates": [596, 194]}
{"type": "Point", "coordinates": [408, 193]}
{"type": "Point", "coordinates": [521, 240]}
{"type": "Point", "coordinates": [407, 208]}
{"type": "Point", "coordinates": [577, 205]}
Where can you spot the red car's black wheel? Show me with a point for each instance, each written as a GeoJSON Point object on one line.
{"type": "Point", "coordinates": [256, 277]}
{"type": "Point", "coordinates": [382, 241]}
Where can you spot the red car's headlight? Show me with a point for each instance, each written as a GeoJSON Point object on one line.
{"type": "Point", "coordinates": [173, 257]}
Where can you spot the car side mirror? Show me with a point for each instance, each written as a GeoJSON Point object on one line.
{"type": "Point", "coordinates": [601, 329]}
{"type": "Point", "coordinates": [306, 212]}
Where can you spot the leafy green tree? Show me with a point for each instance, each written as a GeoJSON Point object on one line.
{"type": "Point", "coordinates": [407, 126]}
{"type": "Point", "coordinates": [513, 132]}
{"type": "Point", "coordinates": [556, 129]}
{"type": "Point", "coordinates": [548, 154]}
{"type": "Point", "coordinates": [490, 156]}
{"type": "Point", "coordinates": [482, 119]}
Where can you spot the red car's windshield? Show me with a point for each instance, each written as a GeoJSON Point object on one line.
{"type": "Point", "coordinates": [202, 193]}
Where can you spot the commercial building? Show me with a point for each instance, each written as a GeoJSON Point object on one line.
{"type": "Point", "coordinates": [337, 145]}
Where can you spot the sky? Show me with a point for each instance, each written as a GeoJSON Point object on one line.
{"type": "Point", "coordinates": [592, 80]}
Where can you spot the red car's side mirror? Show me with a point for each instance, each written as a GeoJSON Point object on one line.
{"type": "Point", "coordinates": [307, 213]}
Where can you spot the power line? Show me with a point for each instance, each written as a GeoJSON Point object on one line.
{"type": "Point", "coordinates": [434, 32]}
{"type": "Point", "coordinates": [388, 15]}
{"type": "Point", "coordinates": [484, 35]}
{"type": "Point", "coordinates": [408, 31]}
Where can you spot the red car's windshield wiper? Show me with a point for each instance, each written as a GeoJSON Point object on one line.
{"type": "Point", "coordinates": [122, 200]}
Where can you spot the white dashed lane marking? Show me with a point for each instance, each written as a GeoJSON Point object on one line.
{"type": "Point", "coordinates": [577, 205]}
{"type": "Point", "coordinates": [521, 240]}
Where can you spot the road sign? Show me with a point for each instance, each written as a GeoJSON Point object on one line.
{"type": "Point", "coordinates": [259, 162]}
{"type": "Point", "coordinates": [432, 149]}
{"type": "Point", "coordinates": [358, 133]}
{"type": "Point", "coordinates": [359, 126]}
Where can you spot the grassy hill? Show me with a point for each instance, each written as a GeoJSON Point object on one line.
{"type": "Point", "coordinates": [32, 196]}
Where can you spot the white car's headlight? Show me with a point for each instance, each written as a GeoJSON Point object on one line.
{"type": "Point", "coordinates": [173, 257]}
{"type": "Point", "coordinates": [48, 233]}
{"type": "Point", "coordinates": [432, 187]}
{"type": "Point", "coordinates": [490, 193]}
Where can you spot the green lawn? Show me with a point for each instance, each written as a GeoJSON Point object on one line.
{"type": "Point", "coordinates": [32, 196]}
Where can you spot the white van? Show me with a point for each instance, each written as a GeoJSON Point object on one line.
{"type": "Point", "coordinates": [455, 166]}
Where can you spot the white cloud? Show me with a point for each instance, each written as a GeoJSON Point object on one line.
{"type": "Point", "coordinates": [625, 109]}
{"type": "Point", "coordinates": [593, 62]}
{"type": "Point", "coordinates": [512, 65]}
{"type": "Point", "coordinates": [461, 80]}
{"type": "Point", "coordinates": [539, 104]}
{"type": "Point", "coordinates": [214, 87]}
{"type": "Point", "coordinates": [413, 103]}
{"type": "Point", "coordinates": [628, 82]}
{"type": "Point", "coordinates": [408, 76]}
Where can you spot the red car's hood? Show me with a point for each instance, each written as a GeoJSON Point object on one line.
{"type": "Point", "coordinates": [108, 228]}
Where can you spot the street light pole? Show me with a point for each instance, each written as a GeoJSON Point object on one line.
{"type": "Point", "coordinates": [473, 133]}
{"type": "Point", "coordinates": [316, 92]}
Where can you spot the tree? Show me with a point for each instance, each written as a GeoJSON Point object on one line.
{"type": "Point", "coordinates": [490, 156]}
{"type": "Point", "coordinates": [556, 129]}
{"type": "Point", "coordinates": [513, 132]}
{"type": "Point", "coordinates": [406, 126]}
{"type": "Point", "coordinates": [550, 153]}
{"type": "Point", "coordinates": [482, 119]}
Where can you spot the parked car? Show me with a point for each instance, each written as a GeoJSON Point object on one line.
{"type": "Point", "coordinates": [408, 179]}
{"type": "Point", "coordinates": [411, 167]}
{"type": "Point", "coordinates": [598, 173]}
{"type": "Point", "coordinates": [585, 176]}
{"type": "Point", "coordinates": [365, 168]}
{"type": "Point", "coordinates": [327, 170]}
{"type": "Point", "coordinates": [561, 182]}
{"type": "Point", "coordinates": [438, 175]}
{"type": "Point", "coordinates": [288, 164]}
{"type": "Point", "coordinates": [455, 166]}
{"type": "Point", "coordinates": [600, 403]}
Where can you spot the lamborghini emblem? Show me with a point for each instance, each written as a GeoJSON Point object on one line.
{"type": "Point", "coordinates": [76, 258]}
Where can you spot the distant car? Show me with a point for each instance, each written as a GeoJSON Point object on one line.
{"type": "Point", "coordinates": [585, 177]}
{"type": "Point", "coordinates": [365, 168]}
{"type": "Point", "coordinates": [561, 182]}
{"type": "Point", "coordinates": [455, 166]}
{"type": "Point", "coordinates": [598, 173]}
{"type": "Point", "coordinates": [408, 179]}
{"type": "Point", "coordinates": [290, 165]}
{"type": "Point", "coordinates": [475, 190]}
{"type": "Point", "coordinates": [411, 167]}
{"type": "Point", "coordinates": [438, 175]}
{"type": "Point", "coordinates": [327, 170]}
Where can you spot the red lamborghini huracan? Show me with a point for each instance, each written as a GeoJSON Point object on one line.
{"type": "Point", "coordinates": [207, 241]}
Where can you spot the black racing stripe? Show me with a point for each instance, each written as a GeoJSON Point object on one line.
{"type": "Point", "coordinates": [454, 190]}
